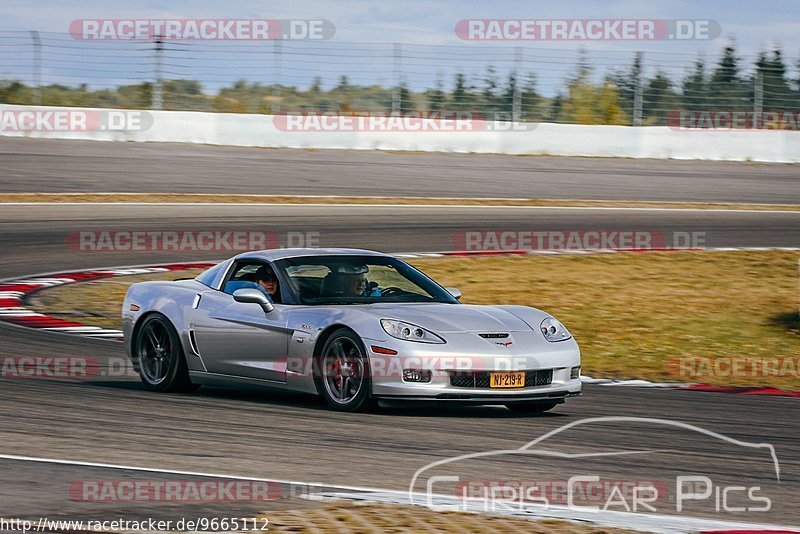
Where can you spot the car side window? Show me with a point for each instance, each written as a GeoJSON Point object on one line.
{"type": "Point", "coordinates": [245, 272]}
{"type": "Point", "coordinates": [307, 280]}
{"type": "Point", "coordinates": [244, 275]}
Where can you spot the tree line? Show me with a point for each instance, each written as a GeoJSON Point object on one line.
{"type": "Point", "coordinates": [614, 98]}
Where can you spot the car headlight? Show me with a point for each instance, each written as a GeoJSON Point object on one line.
{"type": "Point", "coordinates": [554, 330]}
{"type": "Point", "coordinates": [409, 332]}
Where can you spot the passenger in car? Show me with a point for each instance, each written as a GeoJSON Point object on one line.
{"type": "Point", "coordinates": [265, 277]}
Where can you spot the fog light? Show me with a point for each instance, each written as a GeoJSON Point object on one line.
{"type": "Point", "coordinates": [575, 372]}
{"type": "Point", "coordinates": [416, 375]}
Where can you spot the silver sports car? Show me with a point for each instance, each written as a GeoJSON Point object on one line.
{"type": "Point", "coordinates": [351, 325]}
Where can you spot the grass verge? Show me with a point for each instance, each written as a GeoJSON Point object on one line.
{"type": "Point", "coordinates": [634, 315]}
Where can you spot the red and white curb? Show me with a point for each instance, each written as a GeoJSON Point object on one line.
{"type": "Point", "coordinates": [14, 292]}
{"type": "Point", "coordinates": [693, 386]}
{"type": "Point", "coordinates": [633, 383]}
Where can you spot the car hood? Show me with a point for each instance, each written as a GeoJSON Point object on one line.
{"type": "Point", "coordinates": [446, 318]}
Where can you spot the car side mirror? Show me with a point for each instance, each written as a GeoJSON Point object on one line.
{"type": "Point", "coordinates": [455, 292]}
{"type": "Point", "coordinates": [253, 296]}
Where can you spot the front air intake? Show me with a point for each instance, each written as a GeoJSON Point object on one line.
{"type": "Point", "coordinates": [480, 379]}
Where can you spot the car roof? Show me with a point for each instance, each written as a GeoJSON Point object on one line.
{"type": "Point", "coordinates": [283, 253]}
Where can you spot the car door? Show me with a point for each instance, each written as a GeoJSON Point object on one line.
{"type": "Point", "coordinates": [240, 339]}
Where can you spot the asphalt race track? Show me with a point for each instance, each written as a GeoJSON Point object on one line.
{"type": "Point", "coordinates": [32, 236]}
{"type": "Point", "coordinates": [89, 166]}
{"type": "Point", "coordinates": [277, 436]}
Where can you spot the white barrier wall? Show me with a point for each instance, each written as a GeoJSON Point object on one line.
{"type": "Point", "coordinates": [533, 139]}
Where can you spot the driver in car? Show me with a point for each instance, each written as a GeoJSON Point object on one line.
{"type": "Point", "coordinates": [347, 280]}
{"type": "Point", "coordinates": [357, 285]}
{"type": "Point", "coordinates": [354, 285]}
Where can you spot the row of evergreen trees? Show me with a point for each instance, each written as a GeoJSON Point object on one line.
{"type": "Point", "coordinates": [583, 100]}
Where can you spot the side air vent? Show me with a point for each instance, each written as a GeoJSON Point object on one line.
{"type": "Point", "coordinates": [193, 343]}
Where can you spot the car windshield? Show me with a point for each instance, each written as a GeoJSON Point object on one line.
{"type": "Point", "coordinates": [359, 280]}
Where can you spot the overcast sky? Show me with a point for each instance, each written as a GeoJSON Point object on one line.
{"type": "Point", "coordinates": [754, 25]}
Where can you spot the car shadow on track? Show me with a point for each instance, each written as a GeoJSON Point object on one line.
{"type": "Point", "coordinates": [305, 401]}
{"type": "Point", "coordinates": [488, 412]}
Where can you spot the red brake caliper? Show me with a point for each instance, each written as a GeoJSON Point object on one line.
{"type": "Point", "coordinates": [338, 379]}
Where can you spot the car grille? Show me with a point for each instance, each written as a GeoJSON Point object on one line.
{"type": "Point", "coordinates": [480, 379]}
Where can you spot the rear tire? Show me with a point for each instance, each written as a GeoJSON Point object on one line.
{"type": "Point", "coordinates": [531, 407]}
{"type": "Point", "coordinates": [161, 362]}
{"type": "Point", "coordinates": [343, 375]}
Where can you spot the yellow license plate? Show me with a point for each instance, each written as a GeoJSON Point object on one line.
{"type": "Point", "coordinates": [507, 380]}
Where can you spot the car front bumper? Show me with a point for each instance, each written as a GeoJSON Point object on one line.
{"type": "Point", "coordinates": [463, 356]}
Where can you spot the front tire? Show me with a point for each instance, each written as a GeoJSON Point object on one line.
{"type": "Point", "coordinates": [531, 407]}
{"type": "Point", "coordinates": [162, 365]}
{"type": "Point", "coordinates": [343, 373]}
